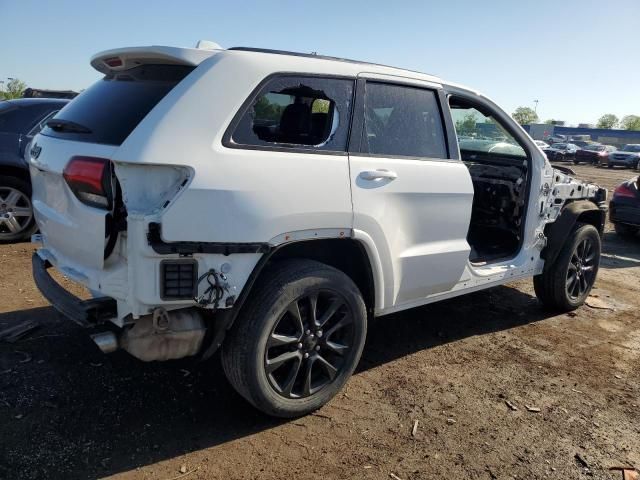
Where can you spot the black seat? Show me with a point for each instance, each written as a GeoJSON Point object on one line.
{"type": "Point", "coordinates": [295, 124]}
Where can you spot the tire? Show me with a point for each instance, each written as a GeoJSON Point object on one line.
{"type": "Point", "coordinates": [627, 231]}
{"type": "Point", "coordinates": [554, 286]}
{"type": "Point", "coordinates": [609, 165]}
{"type": "Point", "coordinates": [16, 214]}
{"type": "Point", "coordinates": [255, 367]}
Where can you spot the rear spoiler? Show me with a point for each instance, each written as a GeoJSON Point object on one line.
{"type": "Point", "coordinates": [120, 59]}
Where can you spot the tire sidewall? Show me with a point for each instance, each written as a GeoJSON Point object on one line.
{"type": "Point", "coordinates": [580, 233]}
{"type": "Point", "coordinates": [260, 388]}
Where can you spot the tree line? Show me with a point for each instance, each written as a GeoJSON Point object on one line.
{"type": "Point", "coordinates": [527, 116]}
{"type": "Point", "coordinates": [13, 89]}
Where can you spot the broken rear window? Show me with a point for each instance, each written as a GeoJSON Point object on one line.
{"type": "Point", "coordinates": [298, 112]}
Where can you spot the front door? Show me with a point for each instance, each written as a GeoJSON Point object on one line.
{"type": "Point", "coordinates": [409, 194]}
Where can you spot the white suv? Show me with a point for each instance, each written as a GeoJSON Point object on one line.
{"type": "Point", "coordinates": [270, 203]}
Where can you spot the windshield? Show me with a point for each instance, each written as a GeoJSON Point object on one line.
{"type": "Point", "coordinates": [109, 110]}
{"type": "Point", "coordinates": [559, 146]}
{"type": "Point", "coordinates": [631, 148]}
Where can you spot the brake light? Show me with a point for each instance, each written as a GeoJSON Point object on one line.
{"type": "Point", "coordinates": [90, 180]}
{"type": "Point", "coordinates": [624, 191]}
{"type": "Point", "coordinates": [113, 61]}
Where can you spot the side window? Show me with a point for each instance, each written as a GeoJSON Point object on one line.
{"type": "Point", "coordinates": [298, 112]}
{"type": "Point", "coordinates": [479, 132]}
{"type": "Point", "coordinates": [402, 121]}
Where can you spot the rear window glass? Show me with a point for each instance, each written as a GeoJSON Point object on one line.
{"type": "Point", "coordinates": [109, 110]}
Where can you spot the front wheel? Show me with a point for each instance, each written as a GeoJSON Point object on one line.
{"type": "Point", "coordinates": [565, 284]}
{"type": "Point", "coordinates": [298, 338]}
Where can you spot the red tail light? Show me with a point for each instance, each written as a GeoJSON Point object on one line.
{"type": "Point", "coordinates": [90, 180]}
{"type": "Point", "coordinates": [624, 191]}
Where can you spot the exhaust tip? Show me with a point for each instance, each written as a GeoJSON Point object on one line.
{"type": "Point", "coordinates": [106, 341]}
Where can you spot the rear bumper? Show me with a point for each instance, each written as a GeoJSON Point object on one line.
{"type": "Point", "coordinates": [627, 214]}
{"type": "Point", "coordinates": [84, 312]}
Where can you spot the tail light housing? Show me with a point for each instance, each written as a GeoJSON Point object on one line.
{"type": "Point", "coordinates": [90, 180]}
{"type": "Point", "coordinates": [624, 190]}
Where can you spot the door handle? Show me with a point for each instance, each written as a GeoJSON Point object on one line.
{"type": "Point", "coordinates": [378, 174]}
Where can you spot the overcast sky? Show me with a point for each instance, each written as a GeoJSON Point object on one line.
{"type": "Point", "coordinates": [580, 59]}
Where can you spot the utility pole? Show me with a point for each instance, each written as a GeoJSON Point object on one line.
{"type": "Point", "coordinates": [536, 107]}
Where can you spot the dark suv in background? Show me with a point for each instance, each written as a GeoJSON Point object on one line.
{"type": "Point", "coordinates": [20, 121]}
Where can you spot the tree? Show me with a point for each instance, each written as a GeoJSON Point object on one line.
{"type": "Point", "coordinates": [525, 116]}
{"type": "Point", "coordinates": [608, 120]}
{"type": "Point", "coordinates": [630, 122]}
{"type": "Point", "coordinates": [14, 89]}
{"type": "Point", "coordinates": [467, 125]}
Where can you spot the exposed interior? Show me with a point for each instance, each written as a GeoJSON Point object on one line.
{"type": "Point", "coordinates": [499, 169]}
{"type": "Point", "coordinates": [295, 115]}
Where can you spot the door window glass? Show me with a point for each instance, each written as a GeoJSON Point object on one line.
{"type": "Point", "coordinates": [480, 133]}
{"type": "Point", "coordinates": [403, 121]}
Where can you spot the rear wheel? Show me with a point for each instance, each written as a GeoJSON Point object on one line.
{"type": "Point", "coordinates": [16, 215]}
{"type": "Point", "coordinates": [566, 284]}
{"type": "Point", "coordinates": [297, 340]}
{"type": "Point", "coordinates": [623, 230]}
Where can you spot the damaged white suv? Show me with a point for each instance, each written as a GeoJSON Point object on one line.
{"type": "Point", "coordinates": [271, 203]}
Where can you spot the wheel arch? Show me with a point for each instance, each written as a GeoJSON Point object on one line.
{"type": "Point", "coordinates": [348, 255]}
{"type": "Point", "coordinates": [17, 172]}
{"type": "Point", "coordinates": [583, 211]}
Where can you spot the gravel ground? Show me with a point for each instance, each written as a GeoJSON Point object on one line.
{"type": "Point", "coordinates": [499, 388]}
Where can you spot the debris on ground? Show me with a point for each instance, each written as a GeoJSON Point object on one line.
{"type": "Point", "coordinates": [16, 332]}
{"type": "Point", "coordinates": [511, 405]}
{"type": "Point", "coordinates": [532, 409]}
{"type": "Point", "coordinates": [628, 473]}
{"type": "Point", "coordinates": [394, 476]}
{"type": "Point", "coordinates": [581, 460]}
{"type": "Point", "coordinates": [414, 430]}
{"type": "Point", "coordinates": [598, 303]}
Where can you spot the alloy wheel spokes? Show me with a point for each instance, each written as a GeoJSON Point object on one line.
{"type": "Point", "coordinates": [308, 345]}
{"type": "Point", "coordinates": [15, 211]}
{"type": "Point", "coordinates": [580, 273]}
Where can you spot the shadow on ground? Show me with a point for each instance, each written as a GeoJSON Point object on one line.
{"type": "Point", "coordinates": [67, 411]}
{"type": "Point", "coordinates": [620, 252]}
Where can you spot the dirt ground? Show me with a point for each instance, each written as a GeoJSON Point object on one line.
{"type": "Point", "coordinates": [68, 411]}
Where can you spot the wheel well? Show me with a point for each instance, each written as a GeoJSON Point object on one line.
{"type": "Point", "coordinates": [11, 171]}
{"type": "Point", "coordinates": [593, 217]}
{"type": "Point", "coordinates": [348, 256]}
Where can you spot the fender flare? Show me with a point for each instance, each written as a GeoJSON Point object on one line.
{"type": "Point", "coordinates": [558, 231]}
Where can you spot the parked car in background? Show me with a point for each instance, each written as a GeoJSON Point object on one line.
{"type": "Point", "coordinates": [594, 154]}
{"type": "Point", "coordinates": [581, 143]}
{"type": "Point", "coordinates": [541, 144]}
{"type": "Point", "coordinates": [556, 139]}
{"type": "Point", "coordinates": [624, 208]}
{"type": "Point", "coordinates": [628, 157]}
{"type": "Point", "coordinates": [561, 152]}
{"type": "Point", "coordinates": [20, 120]}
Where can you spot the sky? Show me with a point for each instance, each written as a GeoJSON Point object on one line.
{"type": "Point", "coordinates": [579, 59]}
